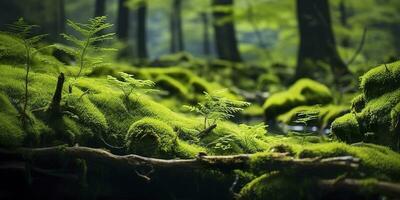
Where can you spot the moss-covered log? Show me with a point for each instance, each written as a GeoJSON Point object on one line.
{"type": "Point", "coordinates": [366, 185]}
{"type": "Point", "coordinates": [272, 161]}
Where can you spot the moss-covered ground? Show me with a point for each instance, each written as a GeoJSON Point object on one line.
{"type": "Point", "coordinates": [97, 114]}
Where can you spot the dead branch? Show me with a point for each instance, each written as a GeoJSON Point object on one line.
{"type": "Point", "coordinates": [274, 161]}
{"type": "Point", "coordinates": [208, 130]}
{"type": "Point", "coordinates": [379, 187]}
{"type": "Point", "coordinates": [360, 47]}
{"type": "Point", "coordinates": [55, 104]}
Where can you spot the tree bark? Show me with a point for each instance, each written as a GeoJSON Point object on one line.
{"type": "Point", "coordinates": [206, 34]}
{"type": "Point", "coordinates": [317, 42]}
{"type": "Point", "coordinates": [177, 44]}
{"type": "Point", "coordinates": [122, 21]}
{"type": "Point", "coordinates": [225, 33]}
{"type": "Point", "coordinates": [141, 31]}
{"type": "Point", "coordinates": [61, 20]}
{"type": "Point", "coordinates": [100, 8]}
{"type": "Point", "coordinates": [355, 185]}
{"type": "Point", "coordinates": [275, 161]}
{"type": "Point", "coordinates": [55, 106]}
{"type": "Point", "coordinates": [344, 16]}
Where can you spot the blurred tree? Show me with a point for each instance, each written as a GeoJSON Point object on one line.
{"type": "Point", "coordinates": [100, 8]}
{"type": "Point", "coordinates": [177, 43]}
{"type": "Point", "coordinates": [61, 20]}
{"type": "Point", "coordinates": [206, 36]}
{"type": "Point", "coordinates": [225, 33]}
{"type": "Point", "coordinates": [9, 12]}
{"type": "Point", "coordinates": [122, 21]}
{"type": "Point", "coordinates": [317, 42]}
{"type": "Point", "coordinates": [345, 14]}
{"type": "Point", "coordinates": [141, 31]}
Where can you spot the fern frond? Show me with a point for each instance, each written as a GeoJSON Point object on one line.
{"type": "Point", "coordinates": [129, 85]}
{"type": "Point", "coordinates": [67, 49]}
{"type": "Point", "coordinates": [216, 107]}
{"type": "Point", "coordinates": [73, 39]}
{"type": "Point", "coordinates": [86, 42]}
{"type": "Point", "coordinates": [80, 28]}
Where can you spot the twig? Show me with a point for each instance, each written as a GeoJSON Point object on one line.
{"type": "Point", "coordinates": [375, 186]}
{"type": "Point", "coordinates": [208, 130]}
{"type": "Point", "coordinates": [275, 160]}
{"type": "Point", "coordinates": [360, 47]}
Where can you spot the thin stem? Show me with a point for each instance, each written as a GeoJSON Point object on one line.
{"type": "Point", "coordinates": [83, 55]}
{"type": "Point", "coordinates": [87, 43]}
{"type": "Point", "coordinates": [27, 65]}
{"type": "Point", "coordinates": [205, 122]}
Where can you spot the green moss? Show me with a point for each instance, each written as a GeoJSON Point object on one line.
{"type": "Point", "coordinates": [380, 80]}
{"type": "Point", "coordinates": [303, 92]}
{"type": "Point", "coordinates": [12, 52]}
{"type": "Point", "coordinates": [180, 58]}
{"type": "Point", "coordinates": [376, 109]}
{"type": "Point", "coordinates": [326, 114]}
{"type": "Point", "coordinates": [182, 82]}
{"type": "Point", "coordinates": [87, 113]}
{"type": "Point", "coordinates": [173, 86]}
{"type": "Point", "coordinates": [276, 186]}
{"type": "Point", "coordinates": [268, 81]}
{"type": "Point", "coordinates": [347, 128]}
{"type": "Point", "coordinates": [186, 150]}
{"type": "Point", "coordinates": [376, 161]}
{"type": "Point", "coordinates": [11, 134]}
{"type": "Point", "coordinates": [151, 137]}
{"type": "Point", "coordinates": [254, 110]}
{"type": "Point", "coordinates": [395, 116]}
{"type": "Point", "coordinates": [358, 103]}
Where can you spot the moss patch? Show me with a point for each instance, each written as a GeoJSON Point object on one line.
{"type": "Point", "coordinates": [303, 92]}
{"type": "Point", "coordinates": [151, 137]}
{"type": "Point", "coordinates": [325, 114]}
{"type": "Point", "coordinates": [375, 110]}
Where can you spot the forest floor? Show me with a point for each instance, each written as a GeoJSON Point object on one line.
{"type": "Point", "coordinates": [122, 131]}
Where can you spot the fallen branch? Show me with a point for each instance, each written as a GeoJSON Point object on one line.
{"type": "Point", "coordinates": [273, 161]}
{"type": "Point", "coordinates": [373, 186]}
{"type": "Point", "coordinates": [360, 47]}
{"type": "Point", "coordinates": [54, 107]}
{"type": "Point", "coordinates": [208, 130]}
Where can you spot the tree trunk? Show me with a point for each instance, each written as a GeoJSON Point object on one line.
{"type": "Point", "coordinates": [100, 8]}
{"type": "Point", "coordinates": [177, 43]}
{"type": "Point", "coordinates": [344, 16]}
{"type": "Point", "coordinates": [141, 31]}
{"type": "Point", "coordinates": [122, 21]}
{"type": "Point", "coordinates": [61, 19]}
{"type": "Point", "coordinates": [317, 42]}
{"type": "Point", "coordinates": [55, 106]}
{"type": "Point", "coordinates": [206, 35]}
{"type": "Point", "coordinates": [225, 33]}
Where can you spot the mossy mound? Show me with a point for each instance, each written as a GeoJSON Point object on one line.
{"type": "Point", "coordinates": [151, 137]}
{"type": "Point", "coordinates": [324, 115]}
{"type": "Point", "coordinates": [96, 114]}
{"type": "Point", "coordinates": [181, 82]}
{"type": "Point", "coordinates": [12, 52]}
{"type": "Point", "coordinates": [377, 163]}
{"type": "Point", "coordinates": [11, 134]}
{"type": "Point", "coordinates": [376, 111]}
{"type": "Point", "coordinates": [276, 187]}
{"type": "Point", "coordinates": [381, 80]}
{"type": "Point", "coordinates": [303, 92]}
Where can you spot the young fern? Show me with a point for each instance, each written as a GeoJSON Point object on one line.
{"type": "Point", "coordinates": [91, 36]}
{"type": "Point", "coordinates": [216, 107]}
{"type": "Point", "coordinates": [23, 32]}
{"type": "Point", "coordinates": [129, 85]}
{"type": "Point", "coordinates": [304, 117]}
